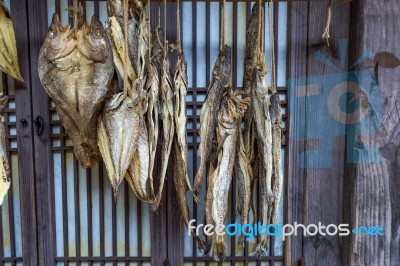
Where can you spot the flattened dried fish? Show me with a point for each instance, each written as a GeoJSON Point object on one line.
{"type": "Point", "coordinates": [76, 69]}
{"type": "Point", "coordinates": [118, 132]}
{"type": "Point", "coordinates": [168, 128]}
{"type": "Point", "coordinates": [5, 180]}
{"type": "Point", "coordinates": [228, 126]}
{"type": "Point", "coordinates": [152, 116]}
{"type": "Point", "coordinates": [277, 177]}
{"type": "Point", "coordinates": [138, 172]}
{"type": "Point", "coordinates": [208, 115]}
{"type": "Point", "coordinates": [8, 46]}
{"type": "Point", "coordinates": [262, 119]}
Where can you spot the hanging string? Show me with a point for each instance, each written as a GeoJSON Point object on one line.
{"type": "Point", "coordinates": [222, 27]}
{"type": "Point", "coordinates": [178, 27]}
{"type": "Point", "coordinates": [159, 14]}
{"type": "Point", "coordinates": [165, 25]}
{"type": "Point", "coordinates": [272, 39]}
{"type": "Point", "coordinates": [126, 55]}
{"type": "Point", "coordinates": [326, 35]}
{"type": "Point", "coordinates": [149, 25]}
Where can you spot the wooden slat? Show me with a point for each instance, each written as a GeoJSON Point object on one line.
{"type": "Point", "coordinates": [297, 61]}
{"type": "Point", "coordinates": [323, 187]}
{"type": "Point", "coordinates": [24, 139]}
{"type": "Point", "coordinates": [372, 195]}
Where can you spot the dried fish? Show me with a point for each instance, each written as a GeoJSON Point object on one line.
{"type": "Point", "coordinates": [168, 128]}
{"type": "Point", "coordinates": [232, 109]}
{"type": "Point", "coordinates": [8, 51]}
{"type": "Point", "coordinates": [5, 180]}
{"type": "Point", "coordinates": [138, 172]}
{"type": "Point", "coordinates": [76, 69]}
{"type": "Point", "coordinates": [208, 115]}
{"type": "Point", "coordinates": [116, 36]}
{"type": "Point", "coordinates": [119, 132]}
{"type": "Point", "coordinates": [262, 119]}
{"type": "Point", "coordinates": [143, 47]}
{"type": "Point", "coordinates": [277, 177]}
{"type": "Point", "coordinates": [152, 116]}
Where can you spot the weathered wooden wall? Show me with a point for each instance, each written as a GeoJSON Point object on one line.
{"type": "Point", "coordinates": [373, 195]}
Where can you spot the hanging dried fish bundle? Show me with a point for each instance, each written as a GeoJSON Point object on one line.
{"type": "Point", "coordinates": [76, 68]}
{"type": "Point", "coordinates": [8, 51]}
{"type": "Point", "coordinates": [5, 180]}
{"type": "Point", "coordinates": [229, 115]}
{"type": "Point", "coordinates": [208, 115]}
{"type": "Point", "coordinates": [119, 131]}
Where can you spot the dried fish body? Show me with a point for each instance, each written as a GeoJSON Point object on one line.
{"type": "Point", "coordinates": [152, 117]}
{"type": "Point", "coordinates": [76, 69]}
{"type": "Point", "coordinates": [208, 115]}
{"type": "Point", "coordinates": [144, 38]}
{"type": "Point", "coordinates": [138, 172]}
{"type": "Point", "coordinates": [168, 128]}
{"type": "Point", "coordinates": [5, 180]}
{"type": "Point", "coordinates": [262, 119]}
{"type": "Point", "coordinates": [119, 130]}
{"type": "Point", "coordinates": [244, 176]}
{"type": "Point", "coordinates": [181, 89]}
{"type": "Point", "coordinates": [116, 36]}
{"type": "Point", "coordinates": [277, 177]}
{"type": "Point", "coordinates": [8, 51]}
{"type": "Point", "coordinates": [232, 109]}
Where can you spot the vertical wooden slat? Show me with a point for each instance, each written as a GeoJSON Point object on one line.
{"type": "Point", "coordinates": [195, 120]}
{"type": "Point", "coordinates": [24, 138]}
{"type": "Point", "coordinates": [101, 213]}
{"type": "Point", "coordinates": [297, 56]}
{"type": "Point", "coordinates": [64, 197]}
{"type": "Point", "coordinates": [89, 213]}
{"type": "Point", "coordinates": [77, 209]}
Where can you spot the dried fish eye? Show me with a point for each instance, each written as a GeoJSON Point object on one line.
{"type": "Point", "coordinates": [51, 34]}
{"type": "Point", "coordinates": [98, 33]}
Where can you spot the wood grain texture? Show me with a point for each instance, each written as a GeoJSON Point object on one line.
{"type": "Point", "coordinates": [37, 18]}
{"type": "Point", "coordinates": [323, 187]}
{"type": "Point", "coordinates": [373, 188]}
{"type": "Point", "coordinates": [24, 139]}
{"type": "Point", "coordinates": [297, 62]}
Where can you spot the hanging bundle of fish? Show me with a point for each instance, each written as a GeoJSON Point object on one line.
{"type": "Point", "coordinates": [5, 180]}
{"type": "Point", "coordinates": [229, 116]}
{"type": "Point", "coordinates": [8, 46]}
{"type": "Point", "coordinates": [76, 69]}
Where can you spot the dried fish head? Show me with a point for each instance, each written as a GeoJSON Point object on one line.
{"type": "Point", "coordinates": [60, 41]}
{"type": "Point", "coordinates": [222, 67]}
{"type": "Point", "coordinates": [92, 41]}
{"type": "Point", "coordinates": [8, 51]}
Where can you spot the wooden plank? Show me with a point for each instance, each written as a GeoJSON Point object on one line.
{"type": "Point", "coordinates": [24, 138]}
{"type": "Point", "coordinates": [323, 187]}
{"type": "Point", "coordinates": [38, 25]}
{"type": "Point", "coordinates": [373, 197]}
{"type": "Point", "coordinates": [297, 61]}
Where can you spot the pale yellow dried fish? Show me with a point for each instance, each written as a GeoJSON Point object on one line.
{"type": "Point", "coordinates": [8, 46]}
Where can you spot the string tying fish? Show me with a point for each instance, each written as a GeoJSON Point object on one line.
{"type": "Point", "coordinates": [272, 51]}
{"type": "Point", "coordinates": [222, 27]}
{"type": "Point", "coordinates": [326, 34]}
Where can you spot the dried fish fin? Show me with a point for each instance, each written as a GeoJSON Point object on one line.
{"type": "Point", "coordinates": [5, 180]}
{"type": "Point", "coordinates": [8, 51]}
